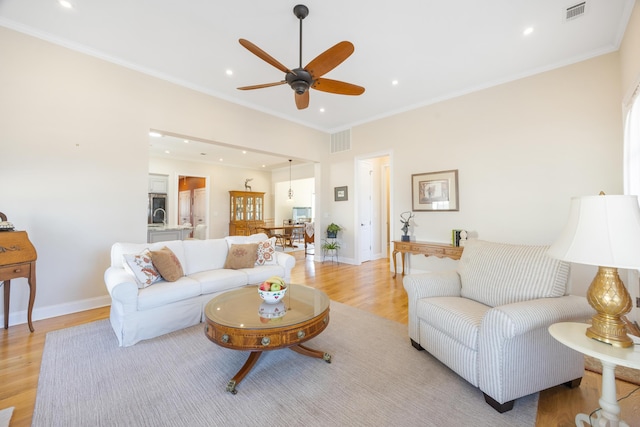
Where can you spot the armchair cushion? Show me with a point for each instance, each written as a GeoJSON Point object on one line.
{"type": "Point", "coordinates": [496, 274]}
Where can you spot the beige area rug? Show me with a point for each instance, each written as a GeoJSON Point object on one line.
{"type": "Point", "coordinates": [375, 379]}
{"type": "Point", "coordinates": [622, 373]}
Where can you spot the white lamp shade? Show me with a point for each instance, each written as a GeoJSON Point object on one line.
{"type": "Point", "coordinates": [601, 230]}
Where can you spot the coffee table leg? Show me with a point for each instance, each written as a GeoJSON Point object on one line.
{"type": "Point", "coordinates": [311, 352]}
{"type": "Point", "coordinates": [248, 365]}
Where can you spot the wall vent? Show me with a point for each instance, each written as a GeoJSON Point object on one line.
{"type": "Point", "coordinates": [575, 11]}
{"type": "Point", "coordinates": [341, 141]}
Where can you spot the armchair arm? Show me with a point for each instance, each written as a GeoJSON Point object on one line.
{"type": "Point", "coordinates": [519, 318]}
{"type": "Point", "coordinates": [433, 284]}
{"type": "Point", "coordinates": [122, 287]}
{"type": "Point", "coordinates": [517, 355]}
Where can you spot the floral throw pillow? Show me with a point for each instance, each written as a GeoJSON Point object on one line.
{"type": "Point", "coordinates": [142, 268]}
{"type": "Point", "coordinates": [267, 252]}
{"type": "Point", "coordinates": [241, 256]}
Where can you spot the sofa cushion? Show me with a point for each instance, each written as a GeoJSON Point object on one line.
{"type": "Point", "coordinates": [460, 318]}
{"type": "Point", "coordinates": [203, 255]}
{"type": "Point", "coordinates": [260, 274]}
{"type": "Point", "coordinates": [119, 249]}
{"type": "Point", "coordinates": [213, 281]}
{"type": "Point", "coordinates": [241, 256]}
{"type": "Point", "coordinates": [239, 240]}
{"type": "Point", "coordinates": [163, 293]}
{"type": "Point", "coordinates": [495, 274]}
{"type": "Point", "coordinates": [142, 268]}
{"type": "Point", "coordinates": [167, 263]}
{"type": "Point", "coordinates": [267, 252]}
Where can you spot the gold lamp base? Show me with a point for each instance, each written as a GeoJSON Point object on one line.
{"type": "Point", "coordinates": [609, 297]}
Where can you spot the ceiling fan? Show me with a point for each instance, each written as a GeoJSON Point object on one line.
{"type": "Point", "coordinates": [302, 79]}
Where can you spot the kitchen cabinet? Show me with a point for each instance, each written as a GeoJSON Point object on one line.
{"type": "Point", "coordinates": [161, 234]}
{"type": "Point", "coordinates": [158, 183]}
{"type": "Point", "coordinates": [246, 212]}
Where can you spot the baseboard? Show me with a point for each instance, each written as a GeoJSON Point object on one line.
{"type": "Point", "coordinates": [39, 313]}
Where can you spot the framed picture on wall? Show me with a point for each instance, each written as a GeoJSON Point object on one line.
{"type": "Point", "coordinates": [341, 193]}
{"type": "Point", "coordinates": [435, 191]}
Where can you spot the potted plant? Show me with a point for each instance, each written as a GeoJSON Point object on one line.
{"type": "Point", "coordinates": [330, 247]}
{"type": "Point", "coordinates": [332, 230]}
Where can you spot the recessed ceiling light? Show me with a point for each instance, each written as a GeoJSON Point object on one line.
{"type": "Point", "coordinates": [167, 152]}
{"type": "Point", "coordinates": [186, 141]}
{"type": "Point", "coordinates": [322, 110]}
{"type": "Point", "coordinates": [394, 82]}
{"type": "Point", "coordinates": [229, 72]}
{"type": "Point", "coordinates": [264, 166]}
{"type": "Point", "coordinates": [244, 151]}
{"type": "Point", "coordinates": [66, 4]}
{"type": "Point", "coordinates": [527, 31]}
{"type": "Point", "coordinates": [155, 134]}
{"type": "Point", "coordinates": [220, 159]}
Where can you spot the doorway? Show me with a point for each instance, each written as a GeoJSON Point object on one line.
{"type": "Point", "coordinates": [192, 204]}
{"type": "Point", "coordinates": [373, 209]}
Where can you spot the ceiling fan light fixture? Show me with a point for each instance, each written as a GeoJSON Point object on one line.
{"type": "Point", "coordinates": [300, 86]}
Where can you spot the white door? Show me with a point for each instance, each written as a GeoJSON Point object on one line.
{"type": "Point", "coordinates": [365, 173]}
{"type": "Point", "coordinates": [199, 206]}
{"type": "Point", "coordinates": [184, 207]}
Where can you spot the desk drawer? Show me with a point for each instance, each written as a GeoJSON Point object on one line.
{"type": "Point", "coordinates": [14, 271]}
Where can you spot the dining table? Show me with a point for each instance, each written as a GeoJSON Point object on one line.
{"type": "Point", "coordinates": [272, 231]}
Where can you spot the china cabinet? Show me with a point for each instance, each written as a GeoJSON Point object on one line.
{"type": "Point", "coordinates": [246, 212]}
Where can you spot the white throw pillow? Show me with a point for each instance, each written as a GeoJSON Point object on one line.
{"type": "Point", "coordinates": [267, 252]}
{"type": "Point", "coordinates": [142, 268]}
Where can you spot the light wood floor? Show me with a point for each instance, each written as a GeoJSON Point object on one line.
{"type": "Point", "coordinates": [369, 287]}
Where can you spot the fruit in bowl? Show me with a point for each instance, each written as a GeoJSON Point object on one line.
{"type": "Point", "coordinates": [272, 290]}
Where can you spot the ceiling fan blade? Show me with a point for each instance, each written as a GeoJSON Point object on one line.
{"type": "Point", "coordinates": [329, 59]}
{"type": "Point", "coordinates": [335, 86]}
{"type": "Point", "coordinates": [302, 101]}
{"type": "Point", "coordinates": [262, 85]}
{"type": "Point", "coordinates": [264, 55]}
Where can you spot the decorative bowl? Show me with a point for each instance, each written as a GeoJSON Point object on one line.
{"type": "Point", "coordinates": [270, 312]}
{"type": "Point", "coordinates": [272, 297]}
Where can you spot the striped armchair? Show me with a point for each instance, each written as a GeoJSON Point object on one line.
{"type": "Point", "coordinates": [488, 320]}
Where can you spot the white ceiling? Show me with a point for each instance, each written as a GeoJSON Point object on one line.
{"type": "Point", "coordinates": [435, 49]}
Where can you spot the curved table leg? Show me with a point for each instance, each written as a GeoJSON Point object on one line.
{"type": "Point", "coordinates": [32, 294]}
{"type": "Point", "coordinates": [248, 365]}
{"type": "Point", "coordinates": [311, 352]}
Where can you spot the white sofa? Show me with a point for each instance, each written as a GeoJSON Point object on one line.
{"type": "Point", "coordinates": [139, 314]}
{"type": "Point", "coordinates": [488, 320]}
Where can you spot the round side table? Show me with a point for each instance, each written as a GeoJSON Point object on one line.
{"type": "Point", "coordinates": [573, 336]}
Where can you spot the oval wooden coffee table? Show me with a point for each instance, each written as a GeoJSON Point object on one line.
{"type": "Point", "coordinates": [241, 320]}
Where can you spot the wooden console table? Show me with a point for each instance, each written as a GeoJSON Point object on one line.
{"type": "Point", "coordinates": [17, 259]}
{"type": "Point", "coordinates": [441, 250]}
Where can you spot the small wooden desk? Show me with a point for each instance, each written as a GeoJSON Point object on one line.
{"type": "Point", "coordinates": [441, 250]}
{"type": "Point", "coordinates": [17, 259]}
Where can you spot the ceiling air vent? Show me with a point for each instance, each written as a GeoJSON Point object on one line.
{"type": "Point", "coordinates": [341, 141]}
{"type": "Point", "coordinates": [575, 11]}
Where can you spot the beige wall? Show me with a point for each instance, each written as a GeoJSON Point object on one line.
{"type": "Point", "coordinates": [74, 153]}
{"type": "Point", "coordinates": [629, 57]}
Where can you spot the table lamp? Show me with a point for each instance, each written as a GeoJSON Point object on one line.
{"type": "Point", "coordinates": [604, 230]}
